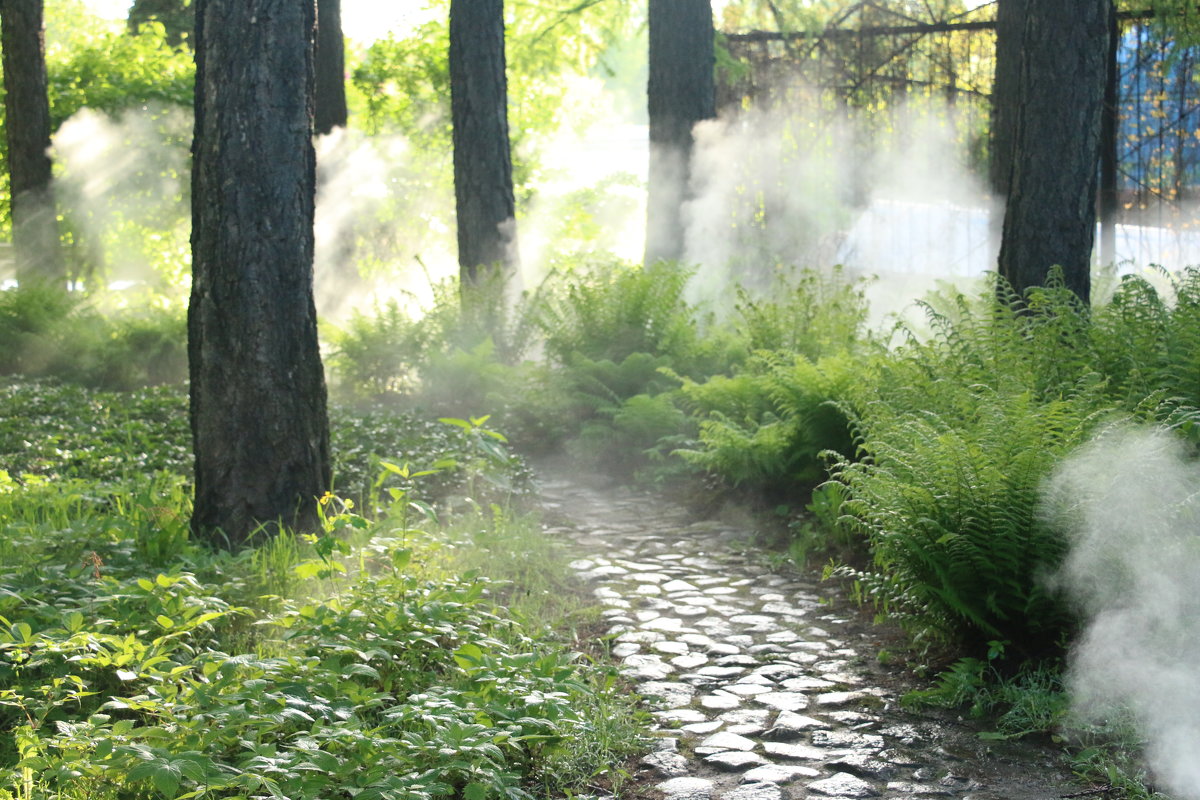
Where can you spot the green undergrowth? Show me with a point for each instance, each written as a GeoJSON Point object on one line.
{"type": "Point", "coordinates": [91, 341]}
{"type": "Point", "coordinates": [59, 430]}
{"type": "Point", "coordinates": [407, 653]}
{"type": "Point", "coordinates": [958, 430]}
{"type": "Point", "coordinates": [915, 457]}
{"type": "Point", "coordinates": [1035, 702]}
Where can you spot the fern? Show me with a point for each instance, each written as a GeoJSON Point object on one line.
{"type": "Point", "coordinates": [767, 427]}
{"type": "Point", "coordinates": [949, 507]}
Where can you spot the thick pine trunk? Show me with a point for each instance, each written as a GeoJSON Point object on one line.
{"type": "Point", "coordinates": [1050, 216]}
{"type": "Point", "coordinates": [483, 187]}
{"type": "Point", "coordinates": [36, 248]}
{"type": "Point", "coordinates": [679, 94]}
{"type": "Point", "coordinates": [330, 109]}
{"type": "Point", "coordinates": [258, 404]}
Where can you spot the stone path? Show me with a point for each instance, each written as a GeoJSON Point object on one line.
{"type": "Point", "coordinates": [762, 688]}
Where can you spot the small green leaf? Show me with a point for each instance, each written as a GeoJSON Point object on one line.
{"type": "Point", "coordinates": [166, 780]}
{"type": "Point", "coordinates": [401, 557]}
{"type": "Point", "coordinates": [474, 791]}
{"type": "Point", "coordinates": [165, 621]}
{"type": "Point", "coordinates": [468, 656]}
{"type": "Point", "coordinates": [308, 569]}
{"type": "Point", "coordinates": [390, 467]}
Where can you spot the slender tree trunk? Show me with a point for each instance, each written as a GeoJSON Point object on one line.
{"type": "Point", "coordinates": [258, 406]}
{"type": "Point", "coordinates": [36, 247]}
{"type": "Point", "coordinates": [680, 93]}
{"type": "Point", "coordinates": [330, 111]}
{"type": "Point", "coordinates": [483, 187]}
{"type": "Point", "coordinates": [1050, 216]}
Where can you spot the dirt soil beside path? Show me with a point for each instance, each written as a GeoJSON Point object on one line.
{"type": "Point", "coordinates": [764, 683]}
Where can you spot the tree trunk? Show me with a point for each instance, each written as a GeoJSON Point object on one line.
{"type": "Point", "coordinates": [483, 187]}
{"type": "Point", "coordinates": [1110, 126]}
{"type": "Point", "coordinates": [1010, 26]}
{"type": "Point", "coordinates": [330, 110]}
{"type": "Point", "coordinates": [258, 405]}
{"type": "Point", "coordinates": [1050, 216]}
{"type": "Point", "coordinates": [36, 248]}
{"type": "Point", "coordinates": [680, 93]}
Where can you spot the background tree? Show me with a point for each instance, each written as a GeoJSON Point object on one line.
{"type": "Point", "coordinates": [680, 93]}
{"type": "Point", "coordinates": [258, 401]}
{"type": "Point", "coordinates": [1050, 214]}
{"type": "Point", "coordinates": [483, 187]}
{"type": "Point", "coordinates": [27, 127]}
{"type": "Point", "coordinates": [177, 17]}
{"type": "Point", "coordinates": [330, 109]}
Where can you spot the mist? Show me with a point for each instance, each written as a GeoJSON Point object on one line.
{"type": "Point", "coordinates": [773, 191]}
{"type": "Point", "coordinates": [121, 184]}
{"type": "Point", "coordinates": [384, 224]}
{"type": "Point", "coordinates": [1130, 502]}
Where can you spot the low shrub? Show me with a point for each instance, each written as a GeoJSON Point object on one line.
{"type": "Point", "coordinates": [767, 427]}
{"type": "Point", "coordinates": [47, 332]}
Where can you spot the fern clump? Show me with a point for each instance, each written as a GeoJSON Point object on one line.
{"type": "Point", "coordinates": [377, 355]}
{"type": "Point", "coordinates": [613, 310]}
{"type": "Point", "coordinates": [950, 509]}
{"type": "Point", "coordinates": [767, 427]}
{"type": "Point", "coordinates": [812, 315]}
{"type": "Point", "coordinates": [957, 434]}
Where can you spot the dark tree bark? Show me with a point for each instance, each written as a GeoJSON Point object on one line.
{"type": "Point", "coordinates": [483, 187]}
{"type": "Point", "coordinates": [258, 405]}
{"type": "Point", "coordinates": [1110, 124]}
{"type": "Point", "coordinates": [36, 248]}
{"type": "Point", "coordinates": [330, 110]}
{"type": "Point", "coordinates": [177, 17]}
{"type": "Point", "coordinates": [1010, 27]}
{"type": "Point", "coordinates": [680, 93]}
{"type": "Point", "coordinates": [1050, 216]}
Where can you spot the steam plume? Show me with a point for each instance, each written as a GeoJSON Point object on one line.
{"type": "Point", "coordinates": [1130, 503]}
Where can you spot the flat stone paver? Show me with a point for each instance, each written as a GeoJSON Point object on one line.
{"type": "Point", "coordinates": [754, 673]}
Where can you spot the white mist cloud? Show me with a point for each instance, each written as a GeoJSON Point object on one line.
{"type": "Point", "coordinates": [1131, 503]}
{"type": "Point", "coordinates": [767, 189]}
{"type": "Point", "coordinates": [120, 183]}
{"type": "Point", "coordinates": [793, 187]}
{"type": "Point", "coordinates": [384, 224]}
{"type": "Point", "coordinates": [589, 191]}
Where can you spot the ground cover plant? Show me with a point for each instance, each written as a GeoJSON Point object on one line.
{"type": "Point", "coordinates": [348, 663]}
